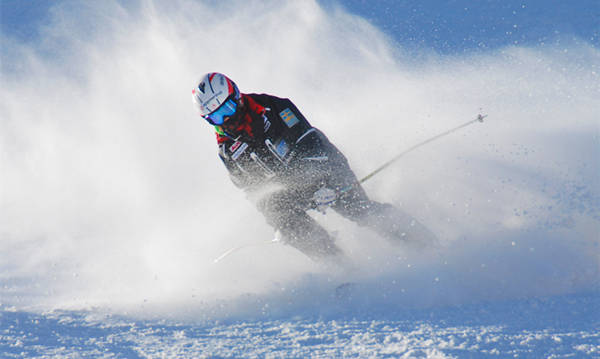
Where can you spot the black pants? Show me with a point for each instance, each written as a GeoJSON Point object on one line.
{"type": "Point", "coordinates": [285, 210]}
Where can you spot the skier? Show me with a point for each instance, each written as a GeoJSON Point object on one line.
{"type": "Point", "coordinates": [288, 167]}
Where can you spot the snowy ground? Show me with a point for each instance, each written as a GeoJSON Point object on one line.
{"type": "Point", "coordinates": [114, 205]}
{"type": "Point", "coordinates": [549, 327]}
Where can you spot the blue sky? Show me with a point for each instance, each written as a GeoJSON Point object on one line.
{"type": "Point", "coordinates": [458, 25]}
{"type": "Point", "coordinates": [444, 26]}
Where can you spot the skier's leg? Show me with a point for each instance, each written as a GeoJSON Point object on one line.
{"type": "Point", "coordinates": [383, 218]}
{"type": "Point", "coordinates": [283, 212]}
{"type": "Point", "coordinates": [387, 220]}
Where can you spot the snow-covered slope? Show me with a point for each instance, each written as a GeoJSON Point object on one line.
{"type": "Point", "coordinates": [555, 327]}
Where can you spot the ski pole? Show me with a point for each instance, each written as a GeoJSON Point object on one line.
{"type": "Point", "coordinates": [242, 246]}
{"type": "Point", "coordinates": [479, 118]}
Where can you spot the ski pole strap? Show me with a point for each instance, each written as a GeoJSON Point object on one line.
{"type": "Point", "coordinates": [479, 118]}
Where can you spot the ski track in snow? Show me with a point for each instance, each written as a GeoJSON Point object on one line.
{"type": "Point", "coordinates": [114, 205]}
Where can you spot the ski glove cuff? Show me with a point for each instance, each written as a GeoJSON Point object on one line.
{"type": "Point", "coordinates": [323, 198]}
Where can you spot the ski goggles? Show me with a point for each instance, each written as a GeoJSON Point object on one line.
{"type": "Point", "coordinates": [227, 109]}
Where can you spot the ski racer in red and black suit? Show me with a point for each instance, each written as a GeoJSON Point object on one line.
{"type": "Point", "coordinates": [287, 167]}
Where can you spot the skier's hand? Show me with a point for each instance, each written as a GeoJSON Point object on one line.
{"type": "Point", "coordinates": [323, 198]}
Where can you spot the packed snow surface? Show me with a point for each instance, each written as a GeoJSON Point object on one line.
{"type": "Point", "coordinates": [534, 328]}
{"type": "Point", "coordinates": [114, 205]}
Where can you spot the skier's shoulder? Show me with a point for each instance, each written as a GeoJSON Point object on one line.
{"type": "Point", "coordinates": [284, 109]}
{"type": "Point", "coordinates": [271, 101]}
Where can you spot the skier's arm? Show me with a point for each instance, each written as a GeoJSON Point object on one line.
{"type": "Point", "coordinates": [314, 161]}
{"type": "Point", "coordinates": [311, 158]}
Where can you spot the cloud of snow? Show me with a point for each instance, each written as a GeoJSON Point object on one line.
{"type": "Point", "coordinates": [111, 193]}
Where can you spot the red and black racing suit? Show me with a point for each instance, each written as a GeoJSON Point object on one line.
{"type": "Point", "coordinates": [274, 151]}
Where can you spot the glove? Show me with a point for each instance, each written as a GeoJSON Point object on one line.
{"type": "Point", "coordinates": [323, 198]}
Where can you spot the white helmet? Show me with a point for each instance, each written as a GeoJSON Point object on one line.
{"type": "Point", "coordinates": [213, 90]}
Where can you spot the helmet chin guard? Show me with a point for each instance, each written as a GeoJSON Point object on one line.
{"type": "Point", "coordinates": [212, 91]}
